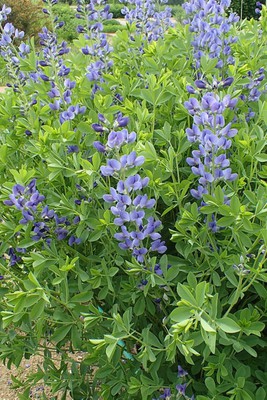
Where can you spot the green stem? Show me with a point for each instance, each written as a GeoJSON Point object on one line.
{"type": "Point", "coordinates": [236, 296]}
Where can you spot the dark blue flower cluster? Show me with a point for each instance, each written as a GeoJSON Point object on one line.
{"type": "Point", "coordinates": [45, 222]}
{"type": "Point", "coordinates": [211, 25]}
{"type": "Point", "coordinates": [150, 22]}
{"type": "Point", "coordinates": [209, 162]}
{"type": "Point", "coordinates": [26, 199]}
{"type": "Point", "coordinates": [181, 388]}
{"type": "Point", "coordinates": [13, 255]}
{"type": "Point", "coordinates": [130, 206]}
{"type": "Point", "coordinates": [252, 91]}
{"type": "Point", "coordinates": [92, 15]}
{"type": "Point", "coordinates": [256, 79]}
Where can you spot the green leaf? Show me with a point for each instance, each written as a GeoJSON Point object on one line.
{"type": "Point", "coordinates": [261, 394]}
{"type": "Point", "coordinates": [37, 310]}
{"type": "Point", "coordinates": [33, 279]}
{"type": "Point", "coordinates": [110, 350]}
{"type": "Point", "coordinates": [60, 333]}
{"type": "Point", "coordinates": [148, 95]}
{"type": "Point", "coordinates": [139, 306]}
{"type": "Point", "coordinates": [206, 326]}
{"type": "Point", "coordinates": [82, 297]}
{"type": "Point", "coordinates": [228, 325]}
{"type": "Point", "coordinates": [94, 236]}
{"type": "Point", "coordinates": [134, 385]}
{"type": "Point", "coordinates": [235, 205]}
{"type": "Point", "coordinates": [200, 293]}
{"type": "Point", "coordinates": [226, 221]}
{"type": "Point", "coordinates": [250, 196]}
{"type": "Point", "coordinates": [185, 294]}
{"type": "Point", "coordinates": [209, 382]}
{"type": "Point", "coordinates": [76, 339]}
{"type": "Point", "coordinates": [115, 390]}
{"type": "Point", "coordinates": [262, 157]}
{"type": "Point", "coordinates": [180, 314]}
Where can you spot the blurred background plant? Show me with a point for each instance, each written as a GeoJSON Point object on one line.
{"type": "Point", "coordinates": [26, 15]}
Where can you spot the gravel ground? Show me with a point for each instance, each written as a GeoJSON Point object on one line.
{"type": "Point", "coordinates": [27, 367]}
{"type": "Point", "coordinates": [7, 392]}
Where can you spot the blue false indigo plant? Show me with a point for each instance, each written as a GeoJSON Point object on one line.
{"type": "Point", "coordinates": [201, 302]}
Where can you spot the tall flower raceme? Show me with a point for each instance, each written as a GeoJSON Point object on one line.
{"type": "Point", "coordinates": [46, 224]}
{"type": "Point", "coordinates": [12, 55]}
{"type": "Point", "coordinates": [131, 207]}
{"type": "Point", "coordinates": [97, 47]}
{"type": "Point", "coordinates": [52, 69]}
{"type": "Point", "coordinates": [150, 22]}
{"type": "Point", "coordinates": [213, 135]}
{"type": "Point", "coordinates": [210, 25]}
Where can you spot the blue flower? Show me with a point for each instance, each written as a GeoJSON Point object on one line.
{"type": "Point", "coordinates": [111, 167]}
{"type": "Point", "coordinates": [181, 372]}
{"type": "Point", "coordinates": [181, 388]}
{"type": "Point", "coordinates": [73, 149]}
{"type": "Point", "coordinates": [166, 394]}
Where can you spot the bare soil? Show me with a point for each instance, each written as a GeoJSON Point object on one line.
{"type": "Point", "coordinates": [7, 392]}
{"type": "Point", "coordinates": [27, 367]}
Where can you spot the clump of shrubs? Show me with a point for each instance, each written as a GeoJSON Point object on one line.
{"type": "Point", "coordinates": [115, 9]}
{"type": "Point", "coordinates": [26, 16]}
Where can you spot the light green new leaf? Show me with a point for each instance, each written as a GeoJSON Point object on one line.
{"type": "Point", "coordinates": [228, 325]}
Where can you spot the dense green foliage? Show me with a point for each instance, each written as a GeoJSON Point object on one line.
{"type": "Point", "coordinates": [245, 8]}
{"type": "Point", "coordinates": [67, 15]}
{"type": "Point", "coordinates": [201, 305]}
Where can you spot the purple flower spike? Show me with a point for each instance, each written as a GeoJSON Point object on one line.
{"type": "Point", "coordinates": [135, 231]}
